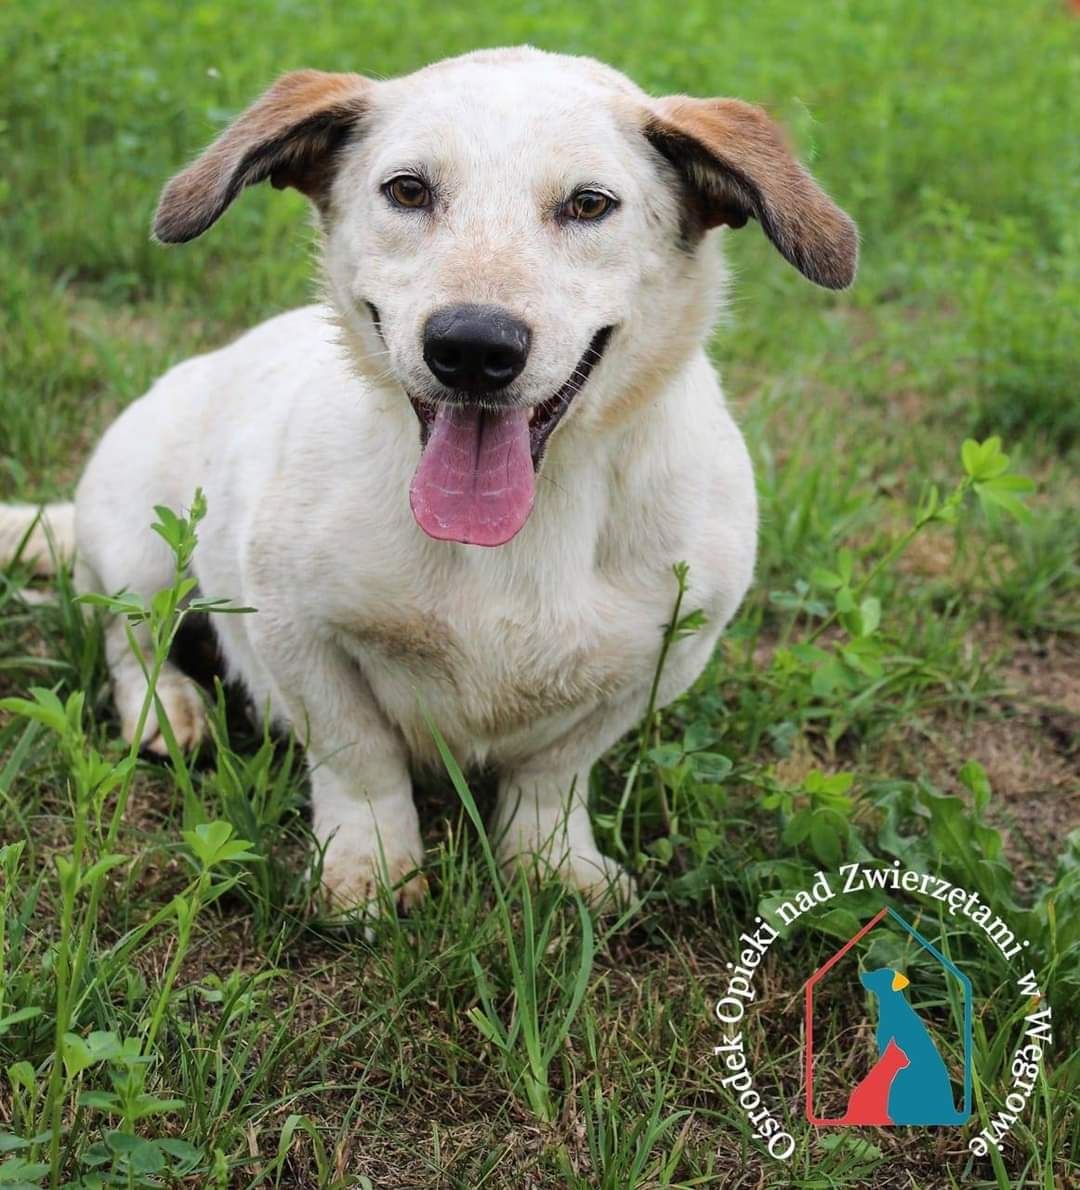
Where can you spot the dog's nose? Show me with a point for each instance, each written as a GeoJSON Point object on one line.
{"type": "Point", "coordinates": [476, 349]}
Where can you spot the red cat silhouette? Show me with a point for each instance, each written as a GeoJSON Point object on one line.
{"type": "Point", "coordinates": [868, 1102]}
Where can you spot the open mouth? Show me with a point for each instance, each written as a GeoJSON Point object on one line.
{"type": "Point", "coordinates": [542, 418]}
{"type": "Point", "coordinates": [476, 480]}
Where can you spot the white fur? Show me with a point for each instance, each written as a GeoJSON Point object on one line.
{"type": "Point", "coordinates": [39, 536]}
{"type": "Point", "coordinates": [534, 657]}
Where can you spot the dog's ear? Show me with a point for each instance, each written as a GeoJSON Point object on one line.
{"type": "Point", "coordinates": [736, 165]}
{"type": "Point", "coordinates": [288, 135]}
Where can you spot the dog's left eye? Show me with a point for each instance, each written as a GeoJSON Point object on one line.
{"type": "Point", "coordinates": [408, 191]}
{"type": "Point", "coordinates": [587, 205]}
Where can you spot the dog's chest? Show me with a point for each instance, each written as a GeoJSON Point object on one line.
{"type": "Point", "coordinates": [490, 668]}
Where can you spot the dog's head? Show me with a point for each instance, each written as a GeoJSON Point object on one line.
{"type": "Point", "coordinates": [517, 242]}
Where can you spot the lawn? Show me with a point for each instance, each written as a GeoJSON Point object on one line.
{"type": "Point", "coordinates": [903, 682]}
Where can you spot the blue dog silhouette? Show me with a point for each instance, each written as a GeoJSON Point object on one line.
{"type": "Point", "coordinates": [921, 1093]}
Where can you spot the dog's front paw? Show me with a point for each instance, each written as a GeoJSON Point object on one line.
{"type": "Point", "coordinates": [182, 702]}
{"type": "Point", "coordinates": [355, 878]}
{"type": "Point", "coordinates": [602, 882]}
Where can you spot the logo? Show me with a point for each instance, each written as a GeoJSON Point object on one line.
{"type": "Point", "coordinates": [886, 1019]}
{"type": "Point", "coordinates": [908, 1082]}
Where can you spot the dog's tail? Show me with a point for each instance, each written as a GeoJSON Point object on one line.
{"type": "Point", "coordinates": [41, 535]}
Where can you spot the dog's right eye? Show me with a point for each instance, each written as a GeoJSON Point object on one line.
{"type": "Point", "coordinates": [408, 191]}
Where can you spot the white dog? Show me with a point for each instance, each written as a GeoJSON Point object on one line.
{"type": "Point", "coordinates": [519, 281]}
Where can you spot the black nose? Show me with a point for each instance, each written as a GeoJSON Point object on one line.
{"type": "Point", "coordinates": [476, 349]}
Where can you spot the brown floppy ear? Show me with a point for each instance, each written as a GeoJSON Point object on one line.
{"type": "Point", "coordinates": [737, 165]}
{"type": "Point", "coordinates": [288, 135]}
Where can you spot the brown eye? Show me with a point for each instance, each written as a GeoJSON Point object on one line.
{"type": "Point", "coordinates": [408, 191]}
{"type": "Point", "coordinates": [588, 204]}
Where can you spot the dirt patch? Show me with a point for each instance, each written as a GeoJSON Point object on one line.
{"type": "Point", "coordinates": [1047, 674]}
{"type": "Point", "coordinates": [1029, 744]}
{"type": "Point", "coordinates": [931, 555]}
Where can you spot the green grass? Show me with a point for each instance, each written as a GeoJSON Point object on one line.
{"type": "Point", "coordinates": [493, 1038]}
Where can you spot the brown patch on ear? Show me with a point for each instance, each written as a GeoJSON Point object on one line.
{"type": "Point", "coordinates": [288, 135]}
{"type": "Point", "coordinates": [737, 165]}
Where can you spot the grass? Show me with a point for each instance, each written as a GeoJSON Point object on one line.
{"type": "Point", "coordinates": [173, 1009]}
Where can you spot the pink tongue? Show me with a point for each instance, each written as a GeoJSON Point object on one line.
{"type": "Point", "coordinates": [475, 480]}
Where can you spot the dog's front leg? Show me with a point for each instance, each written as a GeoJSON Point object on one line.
{"type": "Point", "coordinates": [363, 815]}
{"type": "Point", "coordinates": [542, 813]}
{"type": "Point", "coordinates": [542, 824]}
{"type": "Point", "coordinates": [362, 808]}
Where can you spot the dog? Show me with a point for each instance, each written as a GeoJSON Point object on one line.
{"type": "Point", "coordinates": [921, 1091]}
{"type": "Point", "coordinates": [457, 487]}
